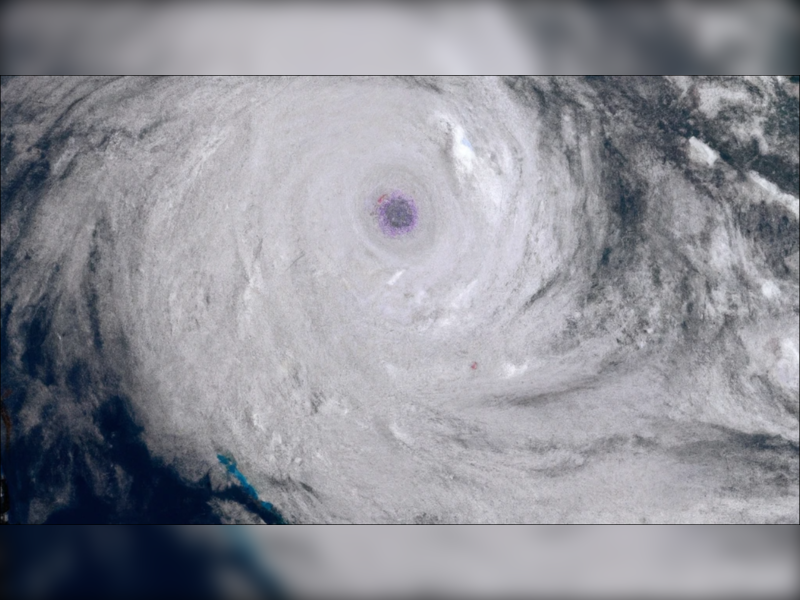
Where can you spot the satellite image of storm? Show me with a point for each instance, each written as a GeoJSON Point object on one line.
{"type": "Point", "coordinates": [400, 300]}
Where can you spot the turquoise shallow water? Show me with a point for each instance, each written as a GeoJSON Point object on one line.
{"type": "Point", "coordinates": [230, 466]}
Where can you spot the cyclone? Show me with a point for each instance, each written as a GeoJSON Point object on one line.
{"type": "Point", "coordinates": [391, 300]}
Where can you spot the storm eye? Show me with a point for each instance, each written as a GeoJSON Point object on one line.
{"type": "Point", "coordinates": [397, 214]}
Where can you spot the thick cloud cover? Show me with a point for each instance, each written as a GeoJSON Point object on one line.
{"type": "Point", "coordinates": [594, 318]}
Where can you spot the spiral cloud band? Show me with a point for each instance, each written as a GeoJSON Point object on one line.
{"type": "Point", "coordinates": [399, 300]}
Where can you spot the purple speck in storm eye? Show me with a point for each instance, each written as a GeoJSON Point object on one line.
{"type": "Point", "coordinates": [397, 214]}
